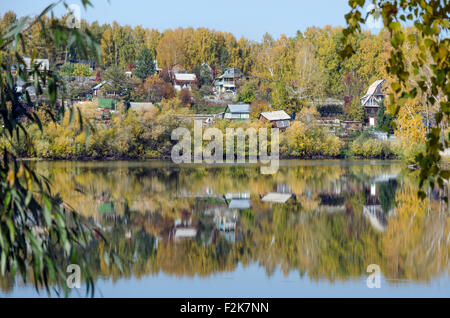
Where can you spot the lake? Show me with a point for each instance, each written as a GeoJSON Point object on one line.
{"type": "Point", "coordinates": [310, 230]}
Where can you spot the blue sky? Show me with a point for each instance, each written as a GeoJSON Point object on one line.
{"type": "Point", "coordinates": [249, 18]}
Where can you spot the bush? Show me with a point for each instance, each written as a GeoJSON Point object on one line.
{"type": "Point", "coordinates": [367, 147]}
{"type": "Point", "coordinates": [307, 141]}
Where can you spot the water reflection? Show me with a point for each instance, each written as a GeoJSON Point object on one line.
{"type": "Point", "coordinates": [326, 220]}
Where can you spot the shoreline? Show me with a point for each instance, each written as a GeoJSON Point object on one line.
{"type": "Point", "coordinates": [168, 158]}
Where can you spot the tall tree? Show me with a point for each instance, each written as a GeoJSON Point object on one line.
{"type": "Point", "coordinates": [145, 65]}
{"type": "Point", "coordinates": [383, 119]}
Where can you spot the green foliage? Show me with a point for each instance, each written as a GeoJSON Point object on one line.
{"type": "Point", "coordinates": [356, 111]}
{"type": "Point", "coordinates": [431, 20]}
{"type": "Point", "coordinates": [367, 147]}
{"type": "Point", "coordinates": [384, 120]}
{"type": "Point", "coordinates": [307, 141]}
{"type": "Point", "coordinates": [81, 70]}
{"type": "Point", "coordinates": [145, 65]}
{"type": "Point", "coordinates": [39, 234]}
{"type": "Point", "coordinates": [67, 69]}
{"type": "Point", "coordinates": [246, 93]}
{"type": "Point", "coordinates": [205, 76]}
{"type": "Point", "coordinates": [117, 79]}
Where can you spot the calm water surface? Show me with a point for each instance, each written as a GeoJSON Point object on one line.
{"type": "Point", "coordinates": [310, 230]}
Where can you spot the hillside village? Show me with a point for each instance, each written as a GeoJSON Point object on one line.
{"type": "Point", "coordinates": [323, 111]}
{"type": "Point", "coordinates": [319, 163]}
{"type": "Point", "coordinates": [224, 96]}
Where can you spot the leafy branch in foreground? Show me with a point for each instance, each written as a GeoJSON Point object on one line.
{"type": "Point", "coordinates": [39, 234]}
{"type": "Point", "coordinates": [423, 74]}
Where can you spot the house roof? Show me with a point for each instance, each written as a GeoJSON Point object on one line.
{"type": "Point", "coordinates": [141, 106]}
{"type": "Point", "coordinates": [185, 232]}
{"type": "Point", "coordinates": [231, 73]}
{"type": "Point", "coordinates": [275, 197]}
{"type": "Point", "coordinates": [185, 77]}
{"type": "Point", "coordinates": [276, 115]}
{"type": "Point", "coordinates": [240, 108]}
{"type": "Point", "coordinates": [373, 88]}
{"type": "Point", "coordinates": [376, 86]}
{"type": "Point", "coordinates": [240, 204]}
{"type": "Point", "coordinates": [99, 85]}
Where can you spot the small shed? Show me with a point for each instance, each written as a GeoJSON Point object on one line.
{"type": "Point", "coordinates": [279, 118]}
{"type": "Point", "coordinates": [141, 106]}
{"type": "Point", "coordinates": [237, 112]}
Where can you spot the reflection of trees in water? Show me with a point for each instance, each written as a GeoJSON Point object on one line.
{"type": "Point", "coordinates": [386, 194]}
{"type": "Point", "coordinates": [299, 235]}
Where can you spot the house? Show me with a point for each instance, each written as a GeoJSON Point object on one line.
{"type": "Point", "coordinates": [239, 201]}
{"type": "Point", "coordinates": [226, 220]}
{"type": "Point", "coordinates": [278, 118]}
{"type": "Point", "coordinates": [184, 80]}
{"type": "Point", "coordinates": [96, 90]}
{"type": "Point", "coordinates": [238, 112]}
{"type": "Point", "coordinates": [228, 80]}
{"type": "Point", "coordinates": [240, 204]}
{"type": "Point", "coordinates": [141, 106]}
{"type": "Point", "coordinates": [371, 101]}
{"type": "Point", "coordinates": [275, 197]}
{"type": "Point", "coordinates": [44, 63]}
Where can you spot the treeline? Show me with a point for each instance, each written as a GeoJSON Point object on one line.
{"type": "Point", "coordinates": [289, 71]}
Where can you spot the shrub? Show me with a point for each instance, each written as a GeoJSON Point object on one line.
{"type": "Point", "coordinates": [367, 147]}
{"type": "Point", "coordinates": [303, 140]}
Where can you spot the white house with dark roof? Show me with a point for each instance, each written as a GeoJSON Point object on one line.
{"type": "Point", "coordinates": [371, 101]}
{"type": "Point", "coordinates": [278, 118]}
{"type": "Point", "coordinates": [184, 80]}
{"type": "Point", "coordinates": [237, 112]}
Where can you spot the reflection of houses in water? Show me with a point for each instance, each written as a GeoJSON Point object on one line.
{"type": "Point", "coordinates": [226, 223]}
{"type": "Point", "coordinates": [105, 204]}
{"type": "Point", "coordinates": [385, 177]}
{"type": "Point", "coordinates": [376, 216]}
{"type": "Point", "coordinates": [183, 228]}
{"type": "Point", "coordinates": [239, 201]}
{"type": "Point", "coordinates": [226, 220]}
{"type": "Point", "coordinates": [179, 233]}
{"type": "Point", "coordinates": [331, 202]}
{"type": "Point", "coordinates": [281, 195]}
{"type": "Point", "coordinates": [275, 197]}
{"type": "Point", "coordinates": [373, 210]}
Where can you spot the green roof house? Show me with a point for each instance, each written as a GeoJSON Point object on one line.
{"type": "Point", "coordinates": [237, 112]}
